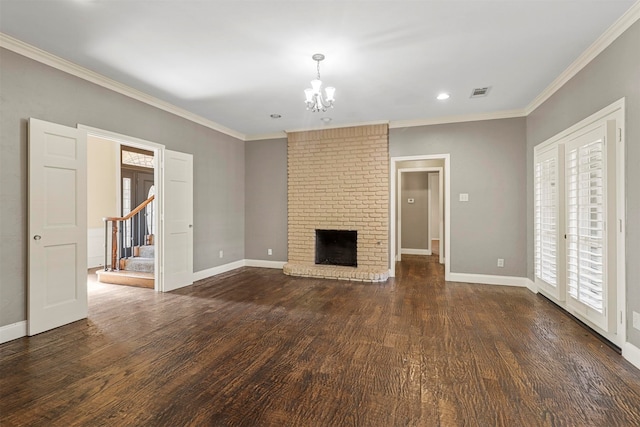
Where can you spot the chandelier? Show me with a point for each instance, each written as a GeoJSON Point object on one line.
{"type": "Point", "coordinates": [315, 101]}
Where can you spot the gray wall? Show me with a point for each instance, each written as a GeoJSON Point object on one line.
{"type": "Point", "coordinates": [266, 199]}
{"type": "Point", "coordinates": [31, 89]}
{"type": "Point", "coordinates": [415, 216]}
{"type": "Point", "coordinates": [488, 161]}
{"type": "Point", "coordinates": [614, 74]}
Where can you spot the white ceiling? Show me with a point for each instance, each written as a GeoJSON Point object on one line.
{"type": "Point", "coordinates": [237, 62]}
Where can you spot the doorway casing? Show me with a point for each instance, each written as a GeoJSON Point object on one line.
{"type": "Point", "coordinates": [158, 153]}
{"type": "Point", "coordinates": [393, 201]}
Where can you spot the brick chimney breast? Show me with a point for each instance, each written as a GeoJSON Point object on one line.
{"type": "Point", "coordinates": [338, 179]}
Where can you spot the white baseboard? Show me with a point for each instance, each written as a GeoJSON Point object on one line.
{"type": "Point", "coordinates": [203, 274]}
{"type": "Point", "coordinates": [530, 284]}
{"type": "Point", "coordinates": [13, 331]}
{"type": "Point", "coordinates": [415, 251]}
{"type": "Point", "coordinates": [96, 261]}
{"type": "Point", "coordinates": [436, 239]}
{"type": "Point", "coordinates": [264, 263]}
{"type": "Point", "coordinates": [631, 353]}
{"type": "Point", "coordinates": [487, 279]}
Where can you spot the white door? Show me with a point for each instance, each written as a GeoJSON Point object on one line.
{"type": "Point", "coordinates": [178, 220]}
{"type": "Point", "coordinates": [57, 282]}
{"type": "Point", "coordinates": [588, 290]}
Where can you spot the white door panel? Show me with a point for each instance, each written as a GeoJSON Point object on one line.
{"type": "Point", "coordinates": [57, 292]}
{"type": "Point", "coordinates": [586, 216]}
{"type": "Point", "coordinates": [178, 220]}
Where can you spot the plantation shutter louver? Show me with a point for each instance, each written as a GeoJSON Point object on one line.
{"type": "Point", "coordinates": [586, 238]}
{"type": "Point", "coordinates": [546, 214]}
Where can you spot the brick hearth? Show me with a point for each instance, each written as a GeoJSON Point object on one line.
{"type": "Point", "coordinates": [338, 179]}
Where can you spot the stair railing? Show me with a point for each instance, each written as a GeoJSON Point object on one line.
{"type": "Point", "coordinates": [123, 238]}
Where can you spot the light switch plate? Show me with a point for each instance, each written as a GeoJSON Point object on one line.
{"type": "Point", "coordinates": [464, 197]}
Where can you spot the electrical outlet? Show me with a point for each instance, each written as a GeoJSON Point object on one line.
{"type": "Point", "coordinates": [500, 262]}
{"type": "Point", "coordinates": [636, 320]}
{"type": "Point", "coordinates": [221, 254]}
{"type": "Point", "coordinates": [269, 252]}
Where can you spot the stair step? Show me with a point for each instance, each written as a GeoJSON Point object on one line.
{"type": "Point", "coordinates": [147, 251]}
{"type": "Point", "coordinates": [129, 278]}
{"type": "Point", "coordinates": [145, 265]}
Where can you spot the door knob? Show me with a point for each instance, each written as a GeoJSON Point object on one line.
{"type": "Point", "coordinates": [37, 237]}
{"type": "Point", "coordinates": [190, 225]}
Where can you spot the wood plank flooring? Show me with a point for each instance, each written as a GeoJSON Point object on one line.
{"type": "Point", "coordinates": [254, 347]}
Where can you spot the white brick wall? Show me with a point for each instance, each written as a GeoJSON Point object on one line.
{"type": "Point", "coordinates": [338, 179]}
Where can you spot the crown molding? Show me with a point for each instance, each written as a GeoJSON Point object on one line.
{"type": "Point", "coordinates": [508, 114]}
{"type": "Point", "coordinates": [264, 136]}
{"type": "Point", "coordinates": [69, 67]}
{"type": "Point", "coordinates": [613, 32]}
{"type": "Point", "coordinates": [346, 125]}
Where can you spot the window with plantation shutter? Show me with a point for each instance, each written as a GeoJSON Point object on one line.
{"type": "Point", "coordinates": [585, 171]}
{"type": "Point", "coordinates": [546, 219]}
{"type": "Point", "coordinates": [578, 221]}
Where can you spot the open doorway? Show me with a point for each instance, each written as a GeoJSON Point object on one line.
{"type": "Point", "coordinates": [419, 210]}
{"type": "Point", "coordinates": [122, 212]}
{"type": "Point", "coordinates": [420, 199]}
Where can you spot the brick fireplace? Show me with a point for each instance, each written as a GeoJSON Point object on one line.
{"type": "Point", "coordinates": [338, 179]}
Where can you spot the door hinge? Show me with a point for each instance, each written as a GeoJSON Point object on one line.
{"type": "Point", "coordinates": [620, 316]}
{"type": "Point", "coordinates": [620, 221]}
{"type": "Point", "coordinates": [619, 134]}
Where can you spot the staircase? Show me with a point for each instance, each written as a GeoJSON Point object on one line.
{"type": "Point", "coordinates": [132, 250]}
{"type": "Point", "coordinates": [134, 271]}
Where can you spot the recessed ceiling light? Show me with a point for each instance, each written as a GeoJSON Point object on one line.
{"type": "Point", "coordinates": [326, 120]}
{"type": "Point", "coordinates": [443, 96]}
{"type": "Point", "coordinates": [275, 116]}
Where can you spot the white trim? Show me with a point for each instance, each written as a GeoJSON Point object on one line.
{"type": "Point", "coordinates": [399, 206]}
{"type": "Point", "coordinates": [589, 121]}
{"type": "Point", "coordinates": [621, 245]}
{"type": "Point", "coordinates": [69, 67]}
{"type": "Point", "coordinates": [408, 251]}
{"type": "Point", "coordinates": [393, 200]}
{"type": "Point", "coordinates": [265, 136]}
{"type": "Point", "coordinates": [203, 274]}
{"type": "Point", "coordinates": [508, 114]}
{"type": "Point", "coordinates": [435, 238]}
{"type": "Point", "coordinates": [158, 179]}
{"type": "Point", "coordinates": [488, 279]}
{"type": "Point", "coordinates": [13, 331]}
{"type": "Point", "coordinates": [346, 125]}
{"type": "Point", "coordinates": [631, 353]}
{"type": "Point", "coordinates": [264, 263]}
{"type": "Point", "coordinates": [530, 284]}
{"type": "Point", "coordinates": [609, 36]}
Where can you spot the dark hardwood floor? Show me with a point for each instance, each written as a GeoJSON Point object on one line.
{"type": "Point", "coordinates": [254, 347]}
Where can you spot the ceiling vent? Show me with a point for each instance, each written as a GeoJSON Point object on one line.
{"type": "Point", "coordinates": [480, 92]}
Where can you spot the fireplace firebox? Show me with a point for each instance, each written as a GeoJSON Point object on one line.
{"type": "Point", "coordinates": [337, 247]}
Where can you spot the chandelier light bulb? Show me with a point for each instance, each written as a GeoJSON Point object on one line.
{"type": "Point", "coordinates": [330, 91]}
{"type": "Point", "coordinates": [308, 93]}
{"type": "Point", "coordinates": [316, 84]}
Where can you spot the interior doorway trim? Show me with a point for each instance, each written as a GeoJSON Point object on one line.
{"type": "Point", "coordinates": [158, 177]}
{"type": "Point", "coordinates": [393, 202]}
{"type": "Point", "coordinates": [432, 169]}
